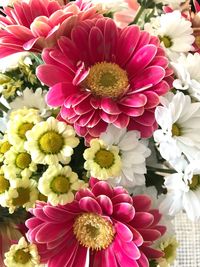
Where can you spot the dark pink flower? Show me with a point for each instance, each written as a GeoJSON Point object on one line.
{"type": "Point", "coordinates": [39, 23]}
{"type": "Point", "coordinates": [104, 226]}
{"type": "Point", "coordinates": [103, 74]}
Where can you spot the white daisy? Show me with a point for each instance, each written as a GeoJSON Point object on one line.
{"type": "Point", "coordinates": [183, 192]}
{"type": "Point", "coordinates": [174, 32]}
{"type": "Point", "coordinates": [133, 152]}
{"type": "Point", "coordinates": [31, 99]}
{"type": "Point", "coordinates": [102, 160]}
{"type": "Point", "coordinates": [10, 62]}
{"type": "Point", "coordinates": [18, 163]}
{"type": "Point", "coordinates": [51, 141]}
{"type": "Point", "coordinates": [21, 121]}
{"type": "Point", "coordinates": [179, 120]}
{"type": "Point", "coordinates": [22, 193]}
{"type": "Point", "coordinates": [187, 73]}
{"type": "Point", "coordinates": [22, 254]}
{"type": "Point", "coordinates": [59, 184]}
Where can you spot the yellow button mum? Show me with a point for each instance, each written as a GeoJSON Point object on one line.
{"type": "Point", "coordinates": [51, 142]}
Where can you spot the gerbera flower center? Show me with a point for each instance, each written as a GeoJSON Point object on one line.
{"type": "Point", "coordinates": [22, 257]}
{"type": "Point", "coordinates": [23, 196]}
{"type": "Point", "coordinates": [24, 128]}
{"type": "Point", "coordinates": [195, 182]}
{"type": "Point", "coordinates": [5, 147]}
{"type": "Point", "coordinates": [107, 80]}
{"type": "Point", "coordinates": [4, 184]}
{"type": "Point", "coordinates": [51, 142]}
{"type": "Point", "coordinates": [94, 232]}
{"type": "Point", "coordinates": [60, 185]}
{"type": "Point", "coordinates": [23, 160]}
{"type": "Point", "coordinates": [104, 158]}
{"type": "Point", "coordinates": [176, 131]}
{"type": "Point", "coordinates": [166, 41]}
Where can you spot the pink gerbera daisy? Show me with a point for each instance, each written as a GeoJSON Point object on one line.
{"type": "Point", "coordinates": [39, 23]}
{"type": "Point", "coordinates": [104, 75]}
{"type": "Point", "coordinates": [102, 227]}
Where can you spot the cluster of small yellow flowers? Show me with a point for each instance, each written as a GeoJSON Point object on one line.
{"type": "Point", "coordinates": [33, 158]}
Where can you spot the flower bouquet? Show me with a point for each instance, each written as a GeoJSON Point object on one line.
{"type": "Point", "coordinates": [100, 123]}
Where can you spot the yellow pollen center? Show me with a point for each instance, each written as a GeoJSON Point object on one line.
{"type": "Point", "coordinates": [107, 80]}
{"type": "Point", "coordinates": [4, 184]}
{"type": "Point", "coordinates": [23, 160]}
{"type": "Point", "coordinates": [60, 185]}
{"type": "Point", "coordinates": [23, 196]}
{"type": "Point", "coordinates": [92, 231]}
{"type": "Point", "coordinates": [24, 128]}
{"type": "Point", "coordinates": [194, 184]}
{"type": "Point", "coordinates": [169, 251]}
{"type": "Point", "coordinates": [166, 41]}
{"type": "Point", "coordinates": [51, 142]}
{"type": "Point", "coordinates": [104, 158]}
{"type": "Point", "coordinates": [197, 41]}
{"type": "Point", "coordinates": [5, 147]}
{"type": "Point", "coordinates": [176, 131]}
{"type": "Point", "coordinates": [21, 256]}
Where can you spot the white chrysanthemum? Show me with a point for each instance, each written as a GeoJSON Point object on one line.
{"type": "Point", "coordinates": [187, 73]}
{"type": "Point", "coordinates": [4, 186]}
{"type": "Point", "coordinates": [51, 141]}
{"type": "Point", "coordinates": [22, 193]}
{"type": "Point", "coordinates": [179, 120]}
{"type": "Point", "coordinates": [4, 147]}
{"type": "Point", "coordinates": [22, 254]}
{"type": "Point", "coordinates": [174, 32]}
{"type": "Point", "coordinates": [10, 62]}
{"type": "Point", "coordinates": [18, 163]}
{"type": "Point", "coordinates": [31, 99]}
{"type": "Point", "coordinates": [109, 5]}
{"type": "Point", "coordinates": [133, 153]}
{"type": "Point", "coordinates": [183, 192]}
{"type": "Point", "coordinates": [59, 183]}
{"type": "Point", "coordinates": [21, 121]}
{"type": "Point", "coordinates": [102, 161]}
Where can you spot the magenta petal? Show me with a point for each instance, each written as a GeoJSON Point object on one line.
{"type": "Point", "coordinates": [142, 220]}
{"type": "Point", "coordinates": [146, 119]}
{"type": "Point", "coordinates": [130, 249]}
{"type": "Point", "coordinates": [106, 204]}
{"type": "Point", "coordinates": [152, 99]}
{"type": "Point", "coordinates": [83, 193]}
{"type": "Point", "coordinates": [107, 117]}
{"type": "Point", "coordinates": [141, 59]}
{"type": "Point", "coordinates": [141, 203]}
{"type": "Point", "coordinates": [110, 39]}
{"type": "Point", "coordinates": [80, 258]}
{"type": "Point", "coordinates": [57, 214]}
{"type": "Point", "coordinates": [137, 237]}
{"type": "Point", "coordinates": [102, 188]}
{"type": "Point", "coordinates": [109, 106]}
{"type": "Point", "coordinates": [122, 121]}
{"type": "Point", "coordinates": [134, 100]}
{"type": "Point", "coordinates": [150, 76]}
{"type": "Point", "coordinates": [51, 75]}
{"type": "Point", "coordinates": [98, 129]}
{"type": "Point", "coordinates": [124, 212]}
{"type": "Point", "coordinates": [122, 198]}
{"type": "Point", "coordinates": [90, 205]}
{"type": "Point", "coordinates": [33, 222]}
{"type": "Point", "coordinates": [143, 261]}
{"type": "Point", "coordinates": [149, 234]}
{"type": "Point", "coordinates": [108, 259]}
{"type": "Point", "coordinates": [58, 93]}
{"type": "Point", "coordinates": [123, 232]}
{"type": "Point", "coordinates": [96, 45]}
{"type": "Point", "coordinates": [157, 216]}
{"type": "Point", "coordinates": [152, 253]}
{"type": "Point", "coordinates": [81, 74]}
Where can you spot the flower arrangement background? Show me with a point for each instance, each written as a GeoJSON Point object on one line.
{"type": "Point", "coordinates": [100, 123]}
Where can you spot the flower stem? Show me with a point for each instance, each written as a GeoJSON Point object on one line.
{"type": "Point", "coordinates": [3, 108]}
{"type": "Point", "coordinates": [139, 13]}
{"type": "Point", "coordinates": [160, 170]}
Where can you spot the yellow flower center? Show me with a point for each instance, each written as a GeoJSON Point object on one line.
{"type": "Point", "coordinates": [24, 128]}
{"type": "Point", "coordinates": [23, 160]}
{"type": "Point", "coordinates": [166, 41]}
{"type": "Point", "coordinates": [194, 184]}
{"type": "Point", "coordinates": [169, 251]}
{"type": "Point", "coordinates": [21, 256]}
{"type": "Point", "coordinates": [51, 142]}
{"type": "Point", "coordinates": [60, 185]}
{"type": "Point", "coordinates": [107, 80]}
{"type": "Point", "coordinates": [197, 41]}
{"type": "Point", "coordinates": [4, 184]}
{"type": "Point", "coordinates": [23, 196]}
{"type": "Point", "coordinates": [176, 131]}
{"type": "Point", "coordinates": [5, 147]}
{"type": "Point", "coordinates": [92, 231]}
{"type": "Point", "coordinates": [104, 158]}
